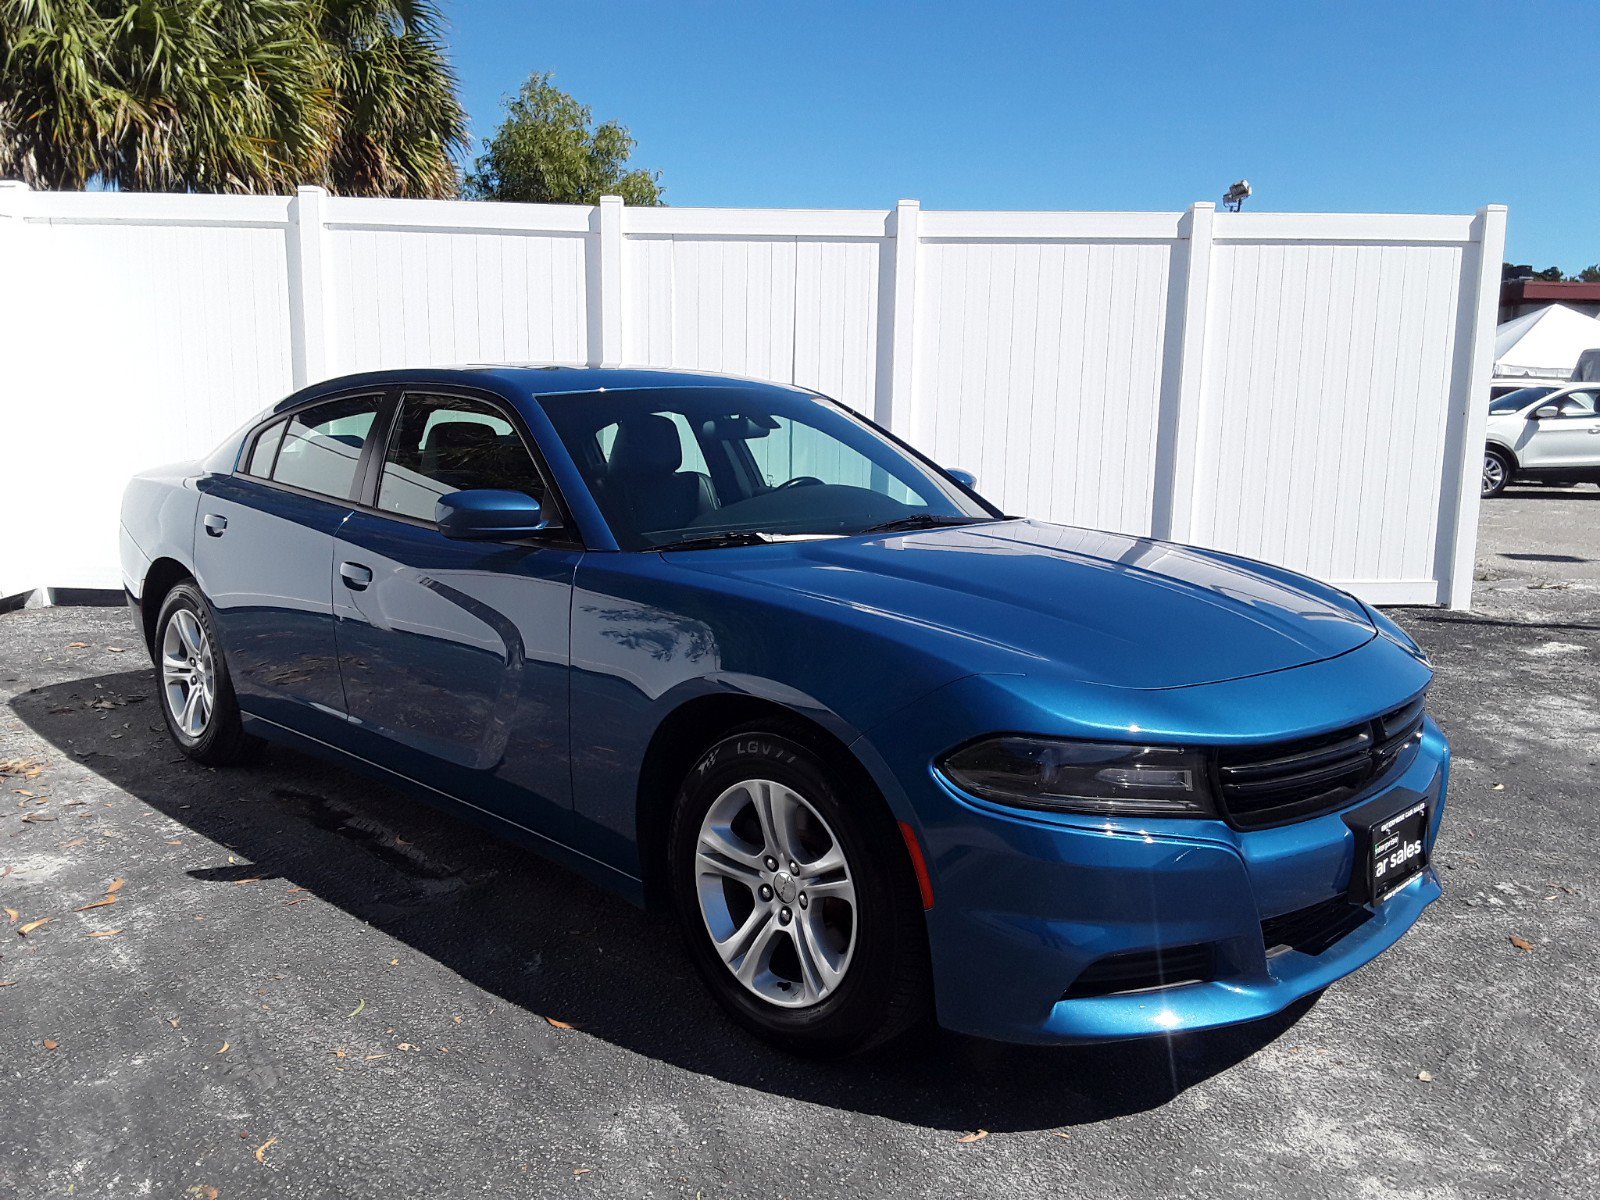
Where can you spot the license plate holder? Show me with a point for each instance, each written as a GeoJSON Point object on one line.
{"type": "Point", "coordinates": [1391, 849]}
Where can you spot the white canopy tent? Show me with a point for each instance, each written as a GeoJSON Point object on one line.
{"type": "Point", "coordinates": [1544, 344]}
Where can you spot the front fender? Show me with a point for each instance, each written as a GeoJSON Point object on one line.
{"type": "Point", "coordinates": [644, 644]}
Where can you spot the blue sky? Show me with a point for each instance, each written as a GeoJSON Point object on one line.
{"type": "Point", "coordinates": [1378, 107]}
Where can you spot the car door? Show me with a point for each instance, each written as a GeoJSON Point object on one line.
{"type": "Point", "coordinates": [454, 654]}
{"type": "Point", "coordinates": [1569, 439]}
{"type": "Point", "coordinates": [264, 555]}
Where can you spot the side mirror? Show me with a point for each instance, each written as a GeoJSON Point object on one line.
{"type": "Point", "coordinates": [964, 478]}
{"type": "Point", "coordinates": [489, 514]}
{"type": "Point", "coordinates": [1545, 411]}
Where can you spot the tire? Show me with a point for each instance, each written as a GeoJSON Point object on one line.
{"type": "Point", "coordinates": [196, 697]}
{"type": "Point", "coordinates": [1496, 473]}
{"type": "Point", "coordinates": [830, 975]}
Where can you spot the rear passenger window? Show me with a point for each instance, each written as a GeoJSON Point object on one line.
{"type": "Point", "coordinates": [445, 444]}
{"type": "Point", "coordinates": [322, 446]}
{"type": "Point", "coordinates": [266, 449]}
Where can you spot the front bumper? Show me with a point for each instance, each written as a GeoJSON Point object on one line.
{"type": "Point", "coordinates": [1026, 902]}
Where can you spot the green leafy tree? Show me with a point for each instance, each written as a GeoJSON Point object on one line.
{"type": "Point", "coordinates": [397, 126]}
{"type": "Point", "coordinates": [1550, 275]}
{"type": "Point", "coordinates": [549, 151]}
{"type": "Point", "coordinates": [228, 96]}
{"type": "Point", "coordinates": [1590, 274]}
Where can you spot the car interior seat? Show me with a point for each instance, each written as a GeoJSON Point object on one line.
{"type": "Point", "coordinates": [644, 476]}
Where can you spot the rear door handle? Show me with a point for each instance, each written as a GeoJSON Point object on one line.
{"type": "Point", "coordinates": [355, 576]}
{"type": "Point", "coordinates": [216, 524]}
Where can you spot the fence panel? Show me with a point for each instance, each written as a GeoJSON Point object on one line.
{"type": "Point", "coordinates": [1302, 388]}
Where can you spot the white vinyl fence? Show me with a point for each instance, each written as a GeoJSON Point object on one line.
{"type": "Point", "coordinates": [1302, 388]}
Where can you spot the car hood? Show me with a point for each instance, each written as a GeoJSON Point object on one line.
{"type": "Point", "coordinates": [1095, 607]}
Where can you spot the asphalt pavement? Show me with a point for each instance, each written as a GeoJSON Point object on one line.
{"type": "Point", "coordinates": [307, 985]}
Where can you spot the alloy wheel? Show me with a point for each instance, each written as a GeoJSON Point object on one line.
{"type": "Point", "coordinates": [188, 673]}
{"type": "Point", "coordinates": [1494, 474]}
{"type": "Point", "coordinates": [776, 893]}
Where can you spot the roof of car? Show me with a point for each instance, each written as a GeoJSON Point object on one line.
{"type": "Point", "coordinates": [537, 379]}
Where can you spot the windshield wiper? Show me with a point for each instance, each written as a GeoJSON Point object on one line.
{"type": "Point", "coordinates": [921, 521]}
{"type": "Point", "coordinates": [716, 541]}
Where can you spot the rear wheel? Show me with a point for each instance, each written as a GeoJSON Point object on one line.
{"type": "Point", "coordinates": [197, 698]}
{"type": "Point", "coordinates": [1496, 473]}
{"type": "Point", "coordinates": [793, 893]}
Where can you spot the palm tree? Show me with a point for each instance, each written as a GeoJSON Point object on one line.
{"type": "Point", "coordinates": [228, 95]}
{"type": "Point", "coordinates": [398, 127]}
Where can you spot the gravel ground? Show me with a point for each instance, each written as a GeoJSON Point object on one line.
{"type": "Point", "coordinates": [316, 987]}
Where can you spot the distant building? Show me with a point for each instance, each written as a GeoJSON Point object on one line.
{"type": "Point", "coordinates": [1519, 297]}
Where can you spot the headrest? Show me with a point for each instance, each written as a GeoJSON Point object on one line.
{"type": "Point", "coordinates": [647, 445]}
{"type": "Point", "coordinates": [451, 441]}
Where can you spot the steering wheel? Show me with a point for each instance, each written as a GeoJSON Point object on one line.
{"type": "Point", "coordinates": [798, 481]}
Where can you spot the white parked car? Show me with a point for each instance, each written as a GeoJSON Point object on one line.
{"type": "Point", "coordinates": [1544, 434]}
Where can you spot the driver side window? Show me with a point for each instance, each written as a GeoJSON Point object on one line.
{"type": "Point", "coordinates": [1579, 404]}
{"type": "Point", "coordinates": [445, 444]}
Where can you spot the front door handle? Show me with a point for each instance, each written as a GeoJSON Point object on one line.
{"type": "Point", "coordinates": [355, 576]}
{"type": "Point", "coordinates": [216, 524]}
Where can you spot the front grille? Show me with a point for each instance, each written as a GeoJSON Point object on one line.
{"type": "Point", "coordinates": [1313, 929]}
{"type": "Point", "coordinates": [1273, 784]}
{"type": "Point", "coordinates": [1143, 971]}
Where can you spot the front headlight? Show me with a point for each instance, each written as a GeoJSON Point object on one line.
{"type": "Point", "coordinates": [1104, 778]}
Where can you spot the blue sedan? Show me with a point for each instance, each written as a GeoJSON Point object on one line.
{"type": "Point", "coordinates": [886, 753]}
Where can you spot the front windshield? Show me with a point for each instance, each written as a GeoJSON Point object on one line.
{"type": "Point", "coordinates": [684, 464]}
{"type": "Point", "coordinates": [1518, 400]}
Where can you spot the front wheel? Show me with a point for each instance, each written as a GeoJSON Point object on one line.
{"type": "Point", "coordinates": [196, 691]}
{"type": "Point", "coordinates": [794, 893]}
{"type": "Point", "coordinates": [1496, 473]}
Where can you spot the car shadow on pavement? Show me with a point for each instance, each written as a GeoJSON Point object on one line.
{"type": "Point", "coordinates": [545, 940]}
{"type": "Point", "coordinates": [1523, 491]}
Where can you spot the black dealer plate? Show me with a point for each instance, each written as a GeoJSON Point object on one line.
{"type": "Point", "coordinates": [1396, 852]}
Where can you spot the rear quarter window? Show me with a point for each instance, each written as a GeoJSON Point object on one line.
{"type": "Point", "coordinates": [265, 450]}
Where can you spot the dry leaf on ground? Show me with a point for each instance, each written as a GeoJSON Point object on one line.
{"type": "Point", "coordinates": [116, 885]}
{"type": "Point", "coordinates": [103, 933]}
{"type": "Point", "coordinates": [97, 904]}
{"type": "Point", "coordinates": [49, 1045]}
{"type": "Point", "coordinates": [25, 930]}
{"type": "Point", "coordinates": [1521, 943]}
{"type": "Point", "coordinates": [558, 1024]}
{"type": "Point", "coordinates": [974, 1137]}
{"type": "Point", "coordinates": [261, 1150]}
{"type": "Point", "coordinates": [12, 916]}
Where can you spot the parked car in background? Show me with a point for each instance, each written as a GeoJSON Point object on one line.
{"type": "Point", "coordinates": [1543, 434]}
{"type": "Point", "coordinates": [884, 752]}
